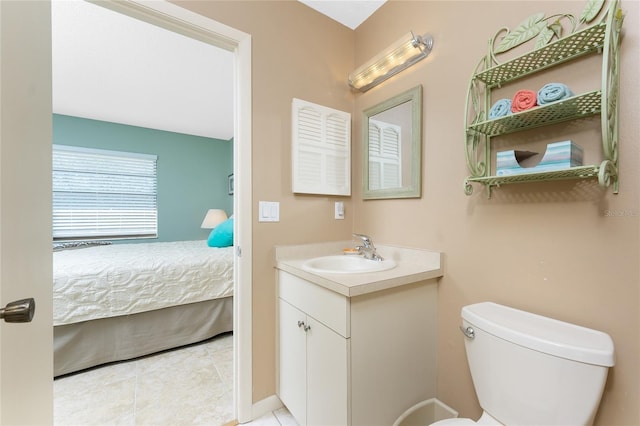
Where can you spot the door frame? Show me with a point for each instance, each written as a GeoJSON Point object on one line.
{"type": "Point", "coordinates": [174, 18]}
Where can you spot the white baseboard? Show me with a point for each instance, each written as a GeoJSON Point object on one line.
{"type": "Point", "coordinates": [267, 405]}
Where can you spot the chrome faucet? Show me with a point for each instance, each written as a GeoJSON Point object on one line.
{"type": "Point", "coordinates": [367, 249]}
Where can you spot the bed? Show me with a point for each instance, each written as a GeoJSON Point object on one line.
{"type": "Point", "coordinates": [121, 301]}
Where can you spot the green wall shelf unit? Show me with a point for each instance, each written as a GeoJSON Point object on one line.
{"type": "Point", "coordinates": [551, 49]}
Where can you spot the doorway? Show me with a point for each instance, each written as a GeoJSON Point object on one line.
{"type": "Point", "coordinates": [176, 19]}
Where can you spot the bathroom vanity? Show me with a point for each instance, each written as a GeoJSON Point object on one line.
{"type": "Point", "coordinates": [356, 348]}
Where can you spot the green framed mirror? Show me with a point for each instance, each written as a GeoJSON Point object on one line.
{"type": "Point", "coordinates": [392, 146]}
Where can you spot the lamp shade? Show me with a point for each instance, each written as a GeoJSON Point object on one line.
{"type": "Point", "coordinates": [213, 218]}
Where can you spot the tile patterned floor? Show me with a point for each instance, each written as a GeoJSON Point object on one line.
{"type": "Point", "coordinates": [189, 386]}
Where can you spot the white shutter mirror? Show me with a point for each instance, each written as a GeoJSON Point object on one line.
{"type": "Point", "coordinates": [321, 149]}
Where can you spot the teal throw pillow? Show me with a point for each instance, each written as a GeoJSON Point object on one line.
{"type": "Point", "coordinates": [221, 235]}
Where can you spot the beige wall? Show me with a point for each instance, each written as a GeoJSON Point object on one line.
{"type": "Point", "coordinates": [546, 247]}
{"type": "Point", "coordinates": [296, 53]}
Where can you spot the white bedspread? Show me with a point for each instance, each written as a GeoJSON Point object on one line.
{"type": "Point", "coordinates": [121, 279]}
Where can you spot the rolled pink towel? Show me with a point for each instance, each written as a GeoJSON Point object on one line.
{"type": "Point", "coordinates": [523, 100]}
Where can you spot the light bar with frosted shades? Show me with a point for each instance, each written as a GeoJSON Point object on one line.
{"type": "Point", "coordinates": [213, 218]}
{"type": "Point", "coordinates": [395, 58]}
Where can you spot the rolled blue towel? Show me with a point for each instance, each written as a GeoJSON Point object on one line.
{"type": "Point", "coordinates": [553, 92]}
{"type": "Point", "coordinates": [500, 109]}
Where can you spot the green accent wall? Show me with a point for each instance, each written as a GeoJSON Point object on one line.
{"type": "Point", "coordinates": [192, 170]}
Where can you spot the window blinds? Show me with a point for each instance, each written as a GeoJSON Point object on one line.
{"type": "Point", "coordinates": [100, 194]}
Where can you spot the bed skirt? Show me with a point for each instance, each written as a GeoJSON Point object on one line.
{"type": "Point", "coordinates": [90, 343]}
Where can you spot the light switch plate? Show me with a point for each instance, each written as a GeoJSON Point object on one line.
{"type": "Point", "coordinates": [268, 211]}
{"type": "Point", "coordinates": [339, 210]}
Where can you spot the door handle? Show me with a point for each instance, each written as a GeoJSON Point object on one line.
{"type": "Point", "coordinates": [19, 311]}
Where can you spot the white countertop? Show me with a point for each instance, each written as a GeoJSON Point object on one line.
{"type": "Point", "coordinates": [413, 265]}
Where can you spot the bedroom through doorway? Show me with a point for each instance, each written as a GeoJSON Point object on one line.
{"type": "Point", "coordinates": [96, 125]}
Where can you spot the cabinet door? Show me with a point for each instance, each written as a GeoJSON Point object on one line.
{"type": "Point", "coordinates": [293, 376]}
{"type": "Point", "coordinates": [327, 376]}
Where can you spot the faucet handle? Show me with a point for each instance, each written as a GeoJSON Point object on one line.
{"type": "Point", "coordinates": [366, 240]}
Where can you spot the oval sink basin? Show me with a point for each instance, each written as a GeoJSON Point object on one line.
{"type": "Point", "coordinates": [346, 264]}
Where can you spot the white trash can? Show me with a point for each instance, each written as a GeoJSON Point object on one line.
{"type": "Point", "coordinates": [426, 412]}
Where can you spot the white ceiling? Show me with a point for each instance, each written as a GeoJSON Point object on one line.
{"type": "Point", "coordinates": [110, 67]}
{"type": "Point", "coordinates": [349, 13]}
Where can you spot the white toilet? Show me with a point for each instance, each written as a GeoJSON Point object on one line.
{"type": "Point", "coordinates": [531, 370]}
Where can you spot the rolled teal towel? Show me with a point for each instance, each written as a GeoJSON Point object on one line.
{"type": "Point", "coordinates": [500, 109]}
{"type": "Point", "coordinates": [553, 92]}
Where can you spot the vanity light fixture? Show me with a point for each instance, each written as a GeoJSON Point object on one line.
{"type": "Point", "coordinates": [395, 58]}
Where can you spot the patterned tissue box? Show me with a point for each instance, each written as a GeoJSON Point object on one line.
{"type": "Point", "coordinates": [557, 156]}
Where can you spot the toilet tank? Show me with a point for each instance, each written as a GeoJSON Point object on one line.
{"type": "Point", "coordinates": [531, 370]}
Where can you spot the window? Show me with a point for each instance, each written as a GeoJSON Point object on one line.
{"type": "Point", "coordinates": [99, 194]}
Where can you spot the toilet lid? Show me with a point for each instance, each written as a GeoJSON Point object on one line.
{"type": "Point", "coordinates": [454, 422]}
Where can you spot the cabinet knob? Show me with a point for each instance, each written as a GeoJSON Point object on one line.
{"type": "Point", "coordinates": [304, 326]}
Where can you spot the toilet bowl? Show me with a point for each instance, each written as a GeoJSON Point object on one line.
{"type": "Point", "coordinates": [532, 370]}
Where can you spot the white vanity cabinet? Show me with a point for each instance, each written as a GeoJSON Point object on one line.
{"type": "Point", "coordinates": [313, 385]}
{"type": "Point", "coordinates": [313, 356]}
{"type": "Point", "coordinates": [360, 360]}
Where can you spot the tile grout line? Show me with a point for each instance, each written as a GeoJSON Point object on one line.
{"type": "Point", "coordinates": [135, 392]}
